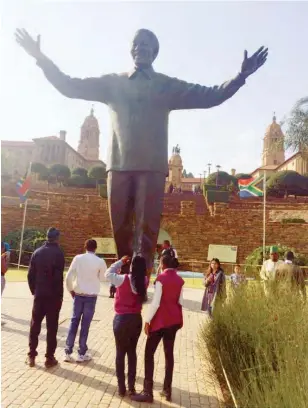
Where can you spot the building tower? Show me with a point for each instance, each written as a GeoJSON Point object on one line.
{"type": "Point", "coordinates": [273, 145]}
{"type": "Point", "coordinates": [175, 168]}
{"type": "Point", "coordinates": [88, 145]}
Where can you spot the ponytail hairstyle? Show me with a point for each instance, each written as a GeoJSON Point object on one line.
{"type": "Point", "coordinates": [138, 276]}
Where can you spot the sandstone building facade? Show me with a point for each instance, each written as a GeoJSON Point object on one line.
{"type": "Point", "coordinates": [16, 155]}
{"type": "Point", "coordinates": [273, 155]}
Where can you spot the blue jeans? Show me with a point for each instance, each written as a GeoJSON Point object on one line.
{"type": "Point", "coordinates": [84, 307]}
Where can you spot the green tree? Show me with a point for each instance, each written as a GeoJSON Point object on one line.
{"type": "Point", "coordinates": [80, 171]}
{"type": "Point", "coordinates": [61, 172]}
{"type": "Point", "coordinates": [40, 170]}
{"type": "Point", "coordinates": [288, 182]}
{"type": "Point", "coordinates": [33, 238]}
{"type": "Point", "coordinates": [98, 173]}
{"type": "Point", "coordinates": [187, 175]}
{"type": "Point", "coordinates": [243, 176]}
{"type": "Point", "coordinates": [222, 178]}
{"type": "Point", "coordinates": [296, 134]}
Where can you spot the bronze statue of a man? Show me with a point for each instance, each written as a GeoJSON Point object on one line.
{"type": "Point", "coordinates": [139, 102]}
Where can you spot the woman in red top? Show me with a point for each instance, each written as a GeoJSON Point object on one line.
{"type": "Point", "coordinates": [163, 321]}
{"type": "Point", "coordinates": [127, 323]}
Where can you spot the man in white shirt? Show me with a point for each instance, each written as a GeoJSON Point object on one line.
{"type": "Point", "coordinates": [83, 282]}
{"type": "Point", "coordinates": [269, 268]}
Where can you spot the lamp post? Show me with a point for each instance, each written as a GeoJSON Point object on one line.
{"type": "Point", "coordinates": [217, 167]}
{"type": "Point", "coordinates": [209, 167]}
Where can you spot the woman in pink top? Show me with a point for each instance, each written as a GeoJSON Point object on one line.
{"type": "Point", "coordinates": [164, 319]}
{"type": "Point", "coordinates": [127, 323]}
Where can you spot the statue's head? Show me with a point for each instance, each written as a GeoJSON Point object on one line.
{"type": "Point", "coordinates": [145, 48]}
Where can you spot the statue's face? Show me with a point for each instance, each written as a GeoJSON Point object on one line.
{"type": "Point", "coordinates": [142, 50]}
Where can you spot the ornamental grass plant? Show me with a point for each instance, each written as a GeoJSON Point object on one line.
{"type": "Point", "coordinates": [263, 344]}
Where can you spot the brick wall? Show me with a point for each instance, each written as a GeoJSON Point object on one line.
{"type": "Point", "coordinates": [238, 223]}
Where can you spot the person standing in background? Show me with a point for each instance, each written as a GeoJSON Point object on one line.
{"type": "Point", "coordinates": [45, 279]}
{"type": "Point", "coordinates": [237, 278]}
{"type": "Point", "coordinates": [292, 275]}
{"type": "Point", "coordinates": [83, 282]}
{"type": "Point", "coordinates": [269, 267]}
{"type": "Point", "coordinates": [215, 285]}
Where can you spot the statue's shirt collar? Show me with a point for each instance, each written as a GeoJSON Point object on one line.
{"type": "Point", "coordinates": [147, 73]}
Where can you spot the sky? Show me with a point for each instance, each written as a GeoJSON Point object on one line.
{"type": "Point", "coordinates": [200, 42]}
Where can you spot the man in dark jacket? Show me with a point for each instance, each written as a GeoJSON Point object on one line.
{"type": "Point", "coordinates": [45, 279]}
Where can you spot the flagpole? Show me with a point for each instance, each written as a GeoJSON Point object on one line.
{"type": "Point", "coordinates": [23, 223]}
{"type": "Point", "coordinates": [264, 215]}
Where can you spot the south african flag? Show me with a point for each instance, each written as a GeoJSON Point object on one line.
{"type": "Point", "coordinates": [252, 187]}
{"type": "Point", "coordinates": [23, 186]}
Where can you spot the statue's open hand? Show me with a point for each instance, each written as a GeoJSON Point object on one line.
{"type": "Point", "coordinates": [30, 45]}
{"type": "Point", "coordinates": [251, 64]}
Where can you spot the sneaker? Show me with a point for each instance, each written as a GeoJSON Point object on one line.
{"type": "Point", "coordinates": [51, 362]}
{"type": "Point", "coordinates": [30, 361]}
{"type": "Point", "coordinates": [144, 396]}
{"type": "Point", "coordinates": [83, 358]}
{"type": "Point", "coordinates": [68, 358]}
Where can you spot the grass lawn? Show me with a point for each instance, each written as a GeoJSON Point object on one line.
{"type": "Point", "coordinates": [20, 275]}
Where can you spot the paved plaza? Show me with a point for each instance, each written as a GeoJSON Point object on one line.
{"type": "Point", "coordinates": [94, 384]}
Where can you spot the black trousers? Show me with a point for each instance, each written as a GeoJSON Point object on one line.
{"type": "Point", "coordinates": [48, 307]}
{"type": "Point", "coordinates": [135, 206]}
{"type": "Point", "coordinates": [168, 335]}
{"type": "Point", "coordinates": [127, 329]}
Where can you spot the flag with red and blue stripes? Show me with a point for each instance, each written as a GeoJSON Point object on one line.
{"type": "Point", "coordinates": [23, 188]}
{"type": "Point", "coordinates": [252, 187]}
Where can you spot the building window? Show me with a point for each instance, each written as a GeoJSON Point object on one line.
{"type": "Point", "coordinates": [275, 162]}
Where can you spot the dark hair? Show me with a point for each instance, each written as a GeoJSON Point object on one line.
{"type": "Point", "coordinates": [168, 261]}
{"type": "Point", "coordinates": [210, 270]}
{"type": "Point", "coordinates": [53, 234]}
{"type": "Point", "coordinates": [90, 245]}
{"type": "Point", "coordinates": [138, 274]}
{"type": "Point", "coordinates": [289, 256]}
{"type": "Point", "coordinates": [237, 265]}
{"type": "Point", "coordinates": [166, 241]}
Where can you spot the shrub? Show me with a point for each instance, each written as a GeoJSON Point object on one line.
{"type": "Point", "coordinates": [262, 343]}
{"type": "Point", "coordinates": [80, 171]}
{"type": "Point", "coordinates": [243, 176]}
{"type": "Point", "coordinates": [293, 221]}
{"type": "Point", "coordinates": [80, 181]}
{"type": "Point", "coordinates": [61, 172]}
{"type": "Point", "coordinates": [222, 178]}
{"type": "Point", "coordinates": [287, 182]}
{"type": "Point", "coordinates": [33, 238]}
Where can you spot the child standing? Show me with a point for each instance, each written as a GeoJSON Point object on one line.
{"type": "Point", "coordinates": [237, 278]}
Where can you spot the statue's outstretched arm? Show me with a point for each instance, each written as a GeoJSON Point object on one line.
{"type": "Point", "coordinates": [184, 95]}
{"type": "Point", "coordinates": [91, 89]}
